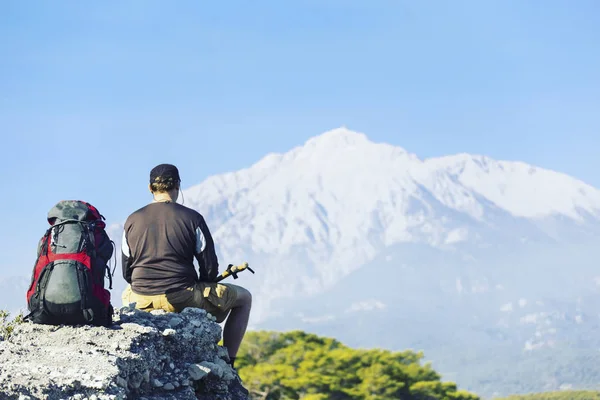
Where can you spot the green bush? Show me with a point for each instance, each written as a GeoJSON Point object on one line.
{"type": "Point", "coordinates": [298, 365]}
{"type": "Point", "coordinates": [7, 325]}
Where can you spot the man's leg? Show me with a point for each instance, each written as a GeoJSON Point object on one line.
{"type": "Point", "coordinates": [225, 301]}
{"type": "Point", "coordinates": [144, 303]}
{"type": "Point", "coordinates": [237, 322]}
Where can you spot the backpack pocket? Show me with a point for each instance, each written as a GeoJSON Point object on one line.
{"type": "Point", "coordinates": [65, 290]}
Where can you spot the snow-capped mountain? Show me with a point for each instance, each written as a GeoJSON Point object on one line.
{"type": "Point", "coordinates": [373, 245]}
{"type": "Point", "coordinates": [312, 215]}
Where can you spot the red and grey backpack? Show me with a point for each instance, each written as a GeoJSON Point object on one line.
{"type": "Point", "coordinates": [73, 256]}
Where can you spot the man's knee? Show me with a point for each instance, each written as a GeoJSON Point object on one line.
{"type": "Point", "coordinates": [244, 297]}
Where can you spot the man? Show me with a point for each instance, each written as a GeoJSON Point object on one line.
{"type": "Point", "coordinates": [160, 242]}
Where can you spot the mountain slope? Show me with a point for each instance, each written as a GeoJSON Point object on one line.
{"type": "Point", "coordinates": [366, 242]}
{"type": "Point", "coordinates": [521, 189]}
{"type": "Point", "coordinates": [325, 208]}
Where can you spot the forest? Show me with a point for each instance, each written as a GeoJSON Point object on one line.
{"type": "Point", "coordinates": [299, 365]}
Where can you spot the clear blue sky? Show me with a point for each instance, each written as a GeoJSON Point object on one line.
{"type": "Point", "coordinates": [93, 94]}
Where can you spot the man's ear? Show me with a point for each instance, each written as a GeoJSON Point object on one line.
{"type": "Point", "coordinates": [150, 188]}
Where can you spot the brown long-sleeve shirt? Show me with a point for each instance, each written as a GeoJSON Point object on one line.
{"type": "Point", "coordinates": [160, 242]}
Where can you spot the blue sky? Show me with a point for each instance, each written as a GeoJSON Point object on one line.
{"type": "Point", "coordinates": [109, 89]}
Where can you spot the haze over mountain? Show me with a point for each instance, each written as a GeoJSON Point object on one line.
{"type": "Point", "coordinates": [488, 266]}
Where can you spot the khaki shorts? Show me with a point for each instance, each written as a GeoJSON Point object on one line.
{"type": "Point", "coordinates": [216, 298]}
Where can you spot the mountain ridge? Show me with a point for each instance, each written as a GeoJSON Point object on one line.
{"type": "Point", "coordinates": [322, 149]}
{"type": "Point", "coordinates": [341, 198]}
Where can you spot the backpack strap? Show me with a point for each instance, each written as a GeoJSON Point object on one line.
{"type": "Point", "coordinates": [109, 278]}
{"type": "Point", "coordinates": [87, 229]}
{"type": "Point", "coordinates": [108, 265]}
{"type": "Point", "coordinates": [44, 245]}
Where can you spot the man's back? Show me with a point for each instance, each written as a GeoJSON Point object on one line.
{"type": "Point", "coordinates": [159, 245]}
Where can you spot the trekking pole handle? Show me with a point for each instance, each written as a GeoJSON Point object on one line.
{"type": "Point", "coordinates": [233, 270]}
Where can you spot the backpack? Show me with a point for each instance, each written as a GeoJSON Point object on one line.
{"type": "Point", "coordinates": [73, 257]}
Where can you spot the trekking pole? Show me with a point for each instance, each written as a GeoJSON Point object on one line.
{"type": "Point", "coordinates": [233, 270]}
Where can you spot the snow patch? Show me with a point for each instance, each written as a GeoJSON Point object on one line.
{"type": "Point", "coordinates": [459, 286]}
{"type": "Point", "coordinates": [530, 319]}
{"type": "Point", "coordinates": [522, 303]}
{"type": "Point", "coordinates": [456, 236]}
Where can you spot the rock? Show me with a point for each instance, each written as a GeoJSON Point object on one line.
{"type": "Point", "coordinates": [157, 384]}
{"type": "Point", "coordinates": [212, 368]}
{"type": "Point", "coordinates": [223, 354]}
{"type": "Point", "coordinates": [198, 371]}
{"type": "Point", "coordinates": [140, 356]}
{"type": "Point", "coordinates": [135, 381]}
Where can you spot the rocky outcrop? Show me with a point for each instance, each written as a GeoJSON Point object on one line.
{"type": "Point", "coordinates": [151, 356]}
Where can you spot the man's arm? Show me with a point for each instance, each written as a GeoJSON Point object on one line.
{"type": "Point", "coordinates": [206, 254]}
{"type": "Point", "coordinates": [126, 259]}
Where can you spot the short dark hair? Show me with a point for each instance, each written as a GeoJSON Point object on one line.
{"type": "Point", "coordinates": [164, 177]}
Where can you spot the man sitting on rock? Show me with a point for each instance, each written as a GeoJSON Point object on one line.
{"type": "Point", "coordinates": [160, 242]}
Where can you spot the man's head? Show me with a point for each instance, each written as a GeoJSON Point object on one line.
{"type": "Point", "coordinates": [164, 178]}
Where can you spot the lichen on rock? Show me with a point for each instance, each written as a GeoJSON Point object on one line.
{"type": "Point", "coordinates": [144, 355]}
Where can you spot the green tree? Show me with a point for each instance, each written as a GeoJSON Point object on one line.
{"type": "Point", "coordinates": [299, 365]}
